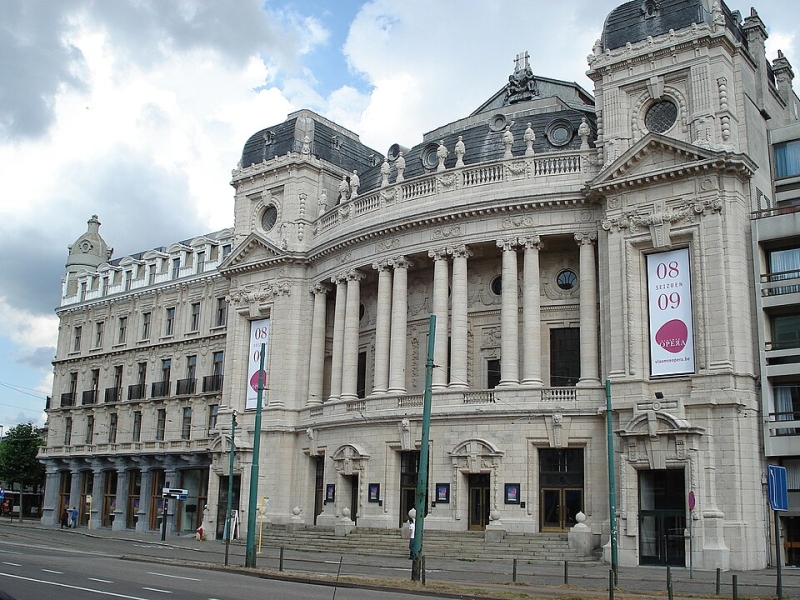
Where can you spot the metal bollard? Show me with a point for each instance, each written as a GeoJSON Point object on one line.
{"type": "Point", "coordinates": [669, 583]}
{"type": "Point", "coordinates": [735, 588]}
{"type": "Point", "coordinates": [514, 572]}
{"type": "Point", "coordinates": [280, 563]}
{"type": "Point", "coordinates": [611, 584]}
{"type": "Point", "coordinates": [566, 573]}
{"type": "Point", "coordinates": [716, 591]}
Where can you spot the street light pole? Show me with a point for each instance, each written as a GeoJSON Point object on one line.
{"type": "Point", "coordinates": [228, 523]}
{"type": "Point", "coordinates": [612, 495]}
{"type": "Point", "coordinates": [250, 553]}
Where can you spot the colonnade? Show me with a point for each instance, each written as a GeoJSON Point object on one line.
{"type": "Point", "coordinates": [391, 321]}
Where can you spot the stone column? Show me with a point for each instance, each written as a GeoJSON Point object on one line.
{"type": "Point", "coordinates": [172, 479]}
{"type": "Point", "coordinates": [440, 301]}
{"type": "Point", "coordinates": [96, 516]}
{"type": "Point", "coordinates": [351, 331]}
{"type": "Point", "coordinates": [50, 515]}
{"type": "Point", "coordinates": [509, 315]}
{"type": "Point", "coordinates": [145, 493]}
{"type": "Point", "coordinates": [383, 328]}
{"type": "Point", "coordinates": [121, 497]}
{"type": "Point", "coordinates": [316, 363]}
{"type": "Point", "coordinates": [338, 337]}
{"type": "Point", "coordinates": [588, 310]}
{"type": "Point", "coordinates": [397, 358]}
{"type": "Point", "coordinates": [458, 334]}
{"type": "Point", "coordinates": [75, 486]}
{"type": "Point", "coordinates": [531, 314]}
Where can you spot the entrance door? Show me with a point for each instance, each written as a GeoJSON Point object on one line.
{"type": "Point", "coordinates": [409, 471]}
{"type": "Point", "coordinates": [354, 498]}
{"type": "Point", "coordinates": [479, 501]}
{"type": "Point", "coordinates": [662, 517]}
{"type": "Point", "coordinates": [319, 487]}
{"type": "Point", "coordinates": [558, 508]}
{"type": "Point", "coordinates": [222, 502]}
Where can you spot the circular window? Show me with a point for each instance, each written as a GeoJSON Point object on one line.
{"type": "Point", "coordinates": [566, 279]}
{"type": "Point", "coordinates": [497, 285]}
{"type": "Point", "coordinates": [559, 132]}
{"type": "Point", "coordinates": [269, 217]}
{"type": "Point", "coordinates": [661, 116]}
{"type": "Point", "coordinates": [498, 122]}
{"type": "Point", "coordinates": [428, 156]}
{"type": "Point", "coordinates": [361, 311]}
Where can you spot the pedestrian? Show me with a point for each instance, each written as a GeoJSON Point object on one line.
{"type": "Point", "coordinates": [64, 518]}
{"type": "Point", "coordinates": [411, 528]}
{"type": "Point", "coordinates": [74, 516]}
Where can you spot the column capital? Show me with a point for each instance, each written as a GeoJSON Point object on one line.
{"type": "Point", "coordinates": [459, 251]}
{"type": "Point", "coordinates": [507, 244]}
{"type": "Point", "coordinates": [381, 266]}
{"type": "Point", "coordinates": [438, 254]}
{"type": "Point", "coordinates": [585, 237]}
{"type": "Point", "coordinates": [532, 241]}
{"type": "Point", "coordinates": [340, 277]}
{"type": "Point", "coordinates": [400, 262]}
{"type": "Point", "coordinates": [319, 288]}
{"type": "Point", "coordinates": [354, 275]}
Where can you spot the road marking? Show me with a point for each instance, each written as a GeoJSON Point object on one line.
{"type": "Point", "coordinates": [51, 571]}
{"type": "Point", "coordinates": [72, 587]}
{"type": "Point", "coordinates": [99, 580]}
{"type": "Point", "coordinates": [11, 564]}
{"type": "Point", "coordinates": [173, 576]}
{"type": "Point", "coordinates": [157, 590]}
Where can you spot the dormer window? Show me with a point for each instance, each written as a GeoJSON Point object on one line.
{"type": "Point", "coordinates": [650, 9]}
{"type": "Point", "coordinates": [336, 142]}
{"type": "Point", "coordinates": [269, 137]}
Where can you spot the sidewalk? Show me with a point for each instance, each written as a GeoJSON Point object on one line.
{"type": "Point", "coordinates": [489, 579]}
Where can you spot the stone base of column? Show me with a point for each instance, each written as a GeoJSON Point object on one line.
{"type": "Point", "coordinates": [508, 383]}
{"type": "Point", "coordinates": [397, 391]}
{"type": "Point", "coordinates": [536, 383]}
{"type": "Point", "coordinates": [349, 397]}
{"type": "Point", "coordinates": [588, 383]}
{"type": "Point", "coordinates": [457, 386]}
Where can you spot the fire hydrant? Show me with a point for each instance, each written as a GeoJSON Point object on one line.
{"type": "Point", "coordinates": [200, 535]}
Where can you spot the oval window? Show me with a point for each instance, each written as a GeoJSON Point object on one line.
{"type": "Point", "coordinates": [269, 217]}
{"type": "Point", "coordinates": [497, 286]}
{"type": "Point", "coordinates": [661, 116]}
{"type": "Point", "coordinates": [566, 279]}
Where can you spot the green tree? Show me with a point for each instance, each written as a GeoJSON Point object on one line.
{"type": "Point", "coordinates": [18, 463]}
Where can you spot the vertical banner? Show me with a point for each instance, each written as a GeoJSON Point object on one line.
{"type": "Point", "coordinates": [669, 293]}
{"type": "Point", "coordinates": [259, 334]}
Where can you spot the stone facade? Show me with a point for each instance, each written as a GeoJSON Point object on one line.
{"type": "Point", "coordinates": [527, 228]}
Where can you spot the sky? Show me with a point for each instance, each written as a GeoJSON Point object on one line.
{"type": "Point", "coordinates": [137, 111]}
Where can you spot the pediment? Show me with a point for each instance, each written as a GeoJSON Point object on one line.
{"type": "Point", "coordinates": [254, 252]}
{"type": "Point", "coordinates": [656, 157]}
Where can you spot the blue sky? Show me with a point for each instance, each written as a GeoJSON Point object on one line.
{"type": "Point", "coordinates": [137, 110]}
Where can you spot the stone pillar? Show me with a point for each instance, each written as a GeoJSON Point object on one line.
{"type": "Point", "coordinates": [458, 334]}
{"type": "Point", "coordinates": [145, 494]}
{"type": "Point", "coordinates": [531, 314]}
{"type": "Point", "coordinates": [588, 311]}
{"type": "Point", "coordinates": [383, 328]}
{"type": "Point", "coordinates": [509, 315]}
{"type": "Point", "coordinates": [75, 486]}
{"type": "Point", "coordinates": [440, 302]}
{"type": "Point", "coordinates": [397, 358]}
{"type": "Point", "coordinates": [50, 515]}
{"type": "Point", "coordinates": [96, 516]}
{"type": "Point", "coordinates": [351, 331]}
{"type": "Point", "coordinates": [317, 359]}
{"type": "Point", "coordinates": [121, 497]}
{"type": "Point", "coordinates": [172, 479]}
{"type": "Point", "coordinates": [338, 337]}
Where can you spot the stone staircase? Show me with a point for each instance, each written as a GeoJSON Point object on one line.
{"type": "Point", "coordinates": [463, 545]}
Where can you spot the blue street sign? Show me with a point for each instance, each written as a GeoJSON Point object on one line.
{"type": "Point", "coordinates": [776, 483]}
{"type": "Point", "coordinates": [185, 497]}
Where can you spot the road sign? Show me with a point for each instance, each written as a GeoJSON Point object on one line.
{"type": "Point", "coordinates": [692, 500]}
{"type": "Point", "coordinates": [174, 492]}
{"type": "Point", "coordinates": [776, 483]}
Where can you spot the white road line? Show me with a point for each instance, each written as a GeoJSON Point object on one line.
{"type": "Point", "coordinates": [11, 564]}
{"type": "Point", "coordinates": [173, 576]}
{"type": "Point", "coordinates": [157, 590]}
{"type": "Point", "coordinates": [99, 580]}
{"type": "Point", "coordinates": [72, 587]}
{"type": "Point", "coordinates": [51, 571]}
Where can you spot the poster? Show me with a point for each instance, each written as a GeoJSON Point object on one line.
{"type": "Point", "coordinates": [670, 310]}
{"type": "Point", "coordinates": [259, 334]}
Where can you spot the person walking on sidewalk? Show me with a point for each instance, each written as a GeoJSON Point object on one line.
{"type": "Point", "coordinates": [64, 518]}
{"type": "Point", "coordinates": [74, 517]}
{"type": "Point", "coordinates": [411, 528]}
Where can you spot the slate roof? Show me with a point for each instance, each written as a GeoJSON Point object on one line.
{"type": "Point", "coordinates": [628, 22]}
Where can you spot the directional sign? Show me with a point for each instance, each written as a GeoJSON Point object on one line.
{"type": "Point", "coordinates": [174, 492]}
{"type": "Point", "coordinates": [778, 495]}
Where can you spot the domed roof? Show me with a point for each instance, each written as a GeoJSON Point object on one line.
{"type": "Point", "coordinates": [90, 250]}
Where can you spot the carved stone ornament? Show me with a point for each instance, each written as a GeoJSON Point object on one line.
{"type": "Point", "coordinates": [264, 293]}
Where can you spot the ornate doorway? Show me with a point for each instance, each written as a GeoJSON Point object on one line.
{"type": "Point", "coordinates": [479, 501]}
{"type": "Point", "coordinates": [561, 487]}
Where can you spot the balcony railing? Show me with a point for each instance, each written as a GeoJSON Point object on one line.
{"type": "Point", "coordinates": [160, 389]}
{"type": "Point", "coordinates": [89, 397]}
{"type": "Point", "coordinates": [68, 399]}
{"type": "Point", "coordinates": [113, 394]}
{"type": "Point", "coordinates": [184, 387]}
{"type": "Point", "coordinates": [212, 383]}
{"type": "Point", "coordinates": [136, 391]}
{"type": "Point", "coordinates": [783, 282]}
